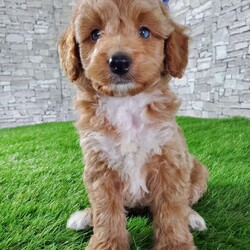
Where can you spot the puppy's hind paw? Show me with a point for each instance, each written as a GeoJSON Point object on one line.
{"type": "Point", "coordinates": [196, 222]}
{"type": "Point", "coordinates": [80, 220]}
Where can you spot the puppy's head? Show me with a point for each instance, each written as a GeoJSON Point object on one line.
{"type": "Point", "coordinates": [122, 47]}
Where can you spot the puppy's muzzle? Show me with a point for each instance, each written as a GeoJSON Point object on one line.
{"type": "Point", "coordinates": [119, 64]}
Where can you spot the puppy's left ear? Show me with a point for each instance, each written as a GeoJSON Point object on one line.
{"type": "Point", "coordinates": [176, 51]}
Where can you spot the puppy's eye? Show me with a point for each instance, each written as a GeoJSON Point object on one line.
{"type": "Point", "coordinates": [144, 32]}
{"type": "Point", "coordinates": [95, 35]}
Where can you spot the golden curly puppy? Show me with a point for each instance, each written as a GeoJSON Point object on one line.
{"type": "Point", "coordinates": [121, 56]}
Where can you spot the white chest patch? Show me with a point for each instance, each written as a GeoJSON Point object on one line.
{"type": "Point", "coordinates": [139, 139]}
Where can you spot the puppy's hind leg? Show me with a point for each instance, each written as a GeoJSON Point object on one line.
{"type": "Point", "coordinates": [80, 220]}
{"type": "Point", "coordinates": [199, 176]}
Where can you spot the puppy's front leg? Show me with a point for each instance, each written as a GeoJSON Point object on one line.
{"type": "Point", "coordinates": [109, 220]}
{"type": "Point", "coordinates": [168, 186]}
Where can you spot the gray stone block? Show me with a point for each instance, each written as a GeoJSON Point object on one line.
{"type": "Point", "coordinates": [221, 37]}
{"type": "Point", "coordinates": [243, 45]}
{"type": "Point", "coordinates": [35, 111]}
{"type": "Point", "coordinates": [221, 52]}
{"type": "Point", "coordinates": [34, 4]}
{"type": "Point", "coordinates": [19, 84]}
{"type": "Point", "coordinates": [226, 19]}
{"type": "Point", "coordinates": [15, 38]}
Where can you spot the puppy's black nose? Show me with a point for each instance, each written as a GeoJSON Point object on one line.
{"type": "Point", "coordinates": [119, 64]}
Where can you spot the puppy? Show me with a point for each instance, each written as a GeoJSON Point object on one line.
{"type": "Point", "coordinates": [121, 56]}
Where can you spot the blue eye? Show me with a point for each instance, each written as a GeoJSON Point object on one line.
{"type": "Point", "coordinates": [95, 35]}
{"type": "Point", "coordinates": [144, 32]}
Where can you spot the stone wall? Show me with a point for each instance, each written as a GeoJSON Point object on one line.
{"type": "Point", "coordinates": [217, 80]}
{"type": "Point", "coordinates": [33, 89]}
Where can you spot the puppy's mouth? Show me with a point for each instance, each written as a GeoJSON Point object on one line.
{"type": "Point", "coordinates": [121, 80]}
{"type": "Point", "coordinates": [121, 85]}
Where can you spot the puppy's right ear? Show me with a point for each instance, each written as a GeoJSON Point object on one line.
{"type": "Point", "coordinates": [177, 51]}
{"type": "Point", "coordinates": [69, 55]}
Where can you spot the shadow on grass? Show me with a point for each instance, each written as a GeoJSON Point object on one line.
{"type": "Point", "coordinates": [225, 209]}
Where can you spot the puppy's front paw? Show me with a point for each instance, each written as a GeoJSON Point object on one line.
{"type": "Point", "coordinates": [80, 220]}
{"type": "Point", "coordinates": [196, 222]}
{"type": "Point", "coordinates": [120, 243]}
{"type": "Point", "coordinates": [176, 247]}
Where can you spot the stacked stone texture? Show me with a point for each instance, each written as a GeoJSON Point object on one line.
{"type": "Point", "coordinates": [34, 90]}
{"type": "Point", "coordinates": [217, 80]}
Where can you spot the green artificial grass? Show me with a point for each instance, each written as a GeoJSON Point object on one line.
{"type": "Point", "coordinates": [41, 185]}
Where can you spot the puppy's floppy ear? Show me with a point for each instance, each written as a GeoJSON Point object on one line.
{"type": "Point", "coordinates": [177, 51]}
{"type": "Point", "coordinates": [69, 55]}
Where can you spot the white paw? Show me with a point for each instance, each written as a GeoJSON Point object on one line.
{"type": "Point", "coordinates": [196, 222]}
{"type": "Point", "coordinates": [80, 220]}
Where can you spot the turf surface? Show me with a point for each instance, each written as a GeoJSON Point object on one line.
{"type": "Point", "coordinates": [41, 185]}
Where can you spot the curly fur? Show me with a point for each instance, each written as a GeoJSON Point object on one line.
{"type": "Point", "coordinates": [134, 152]}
